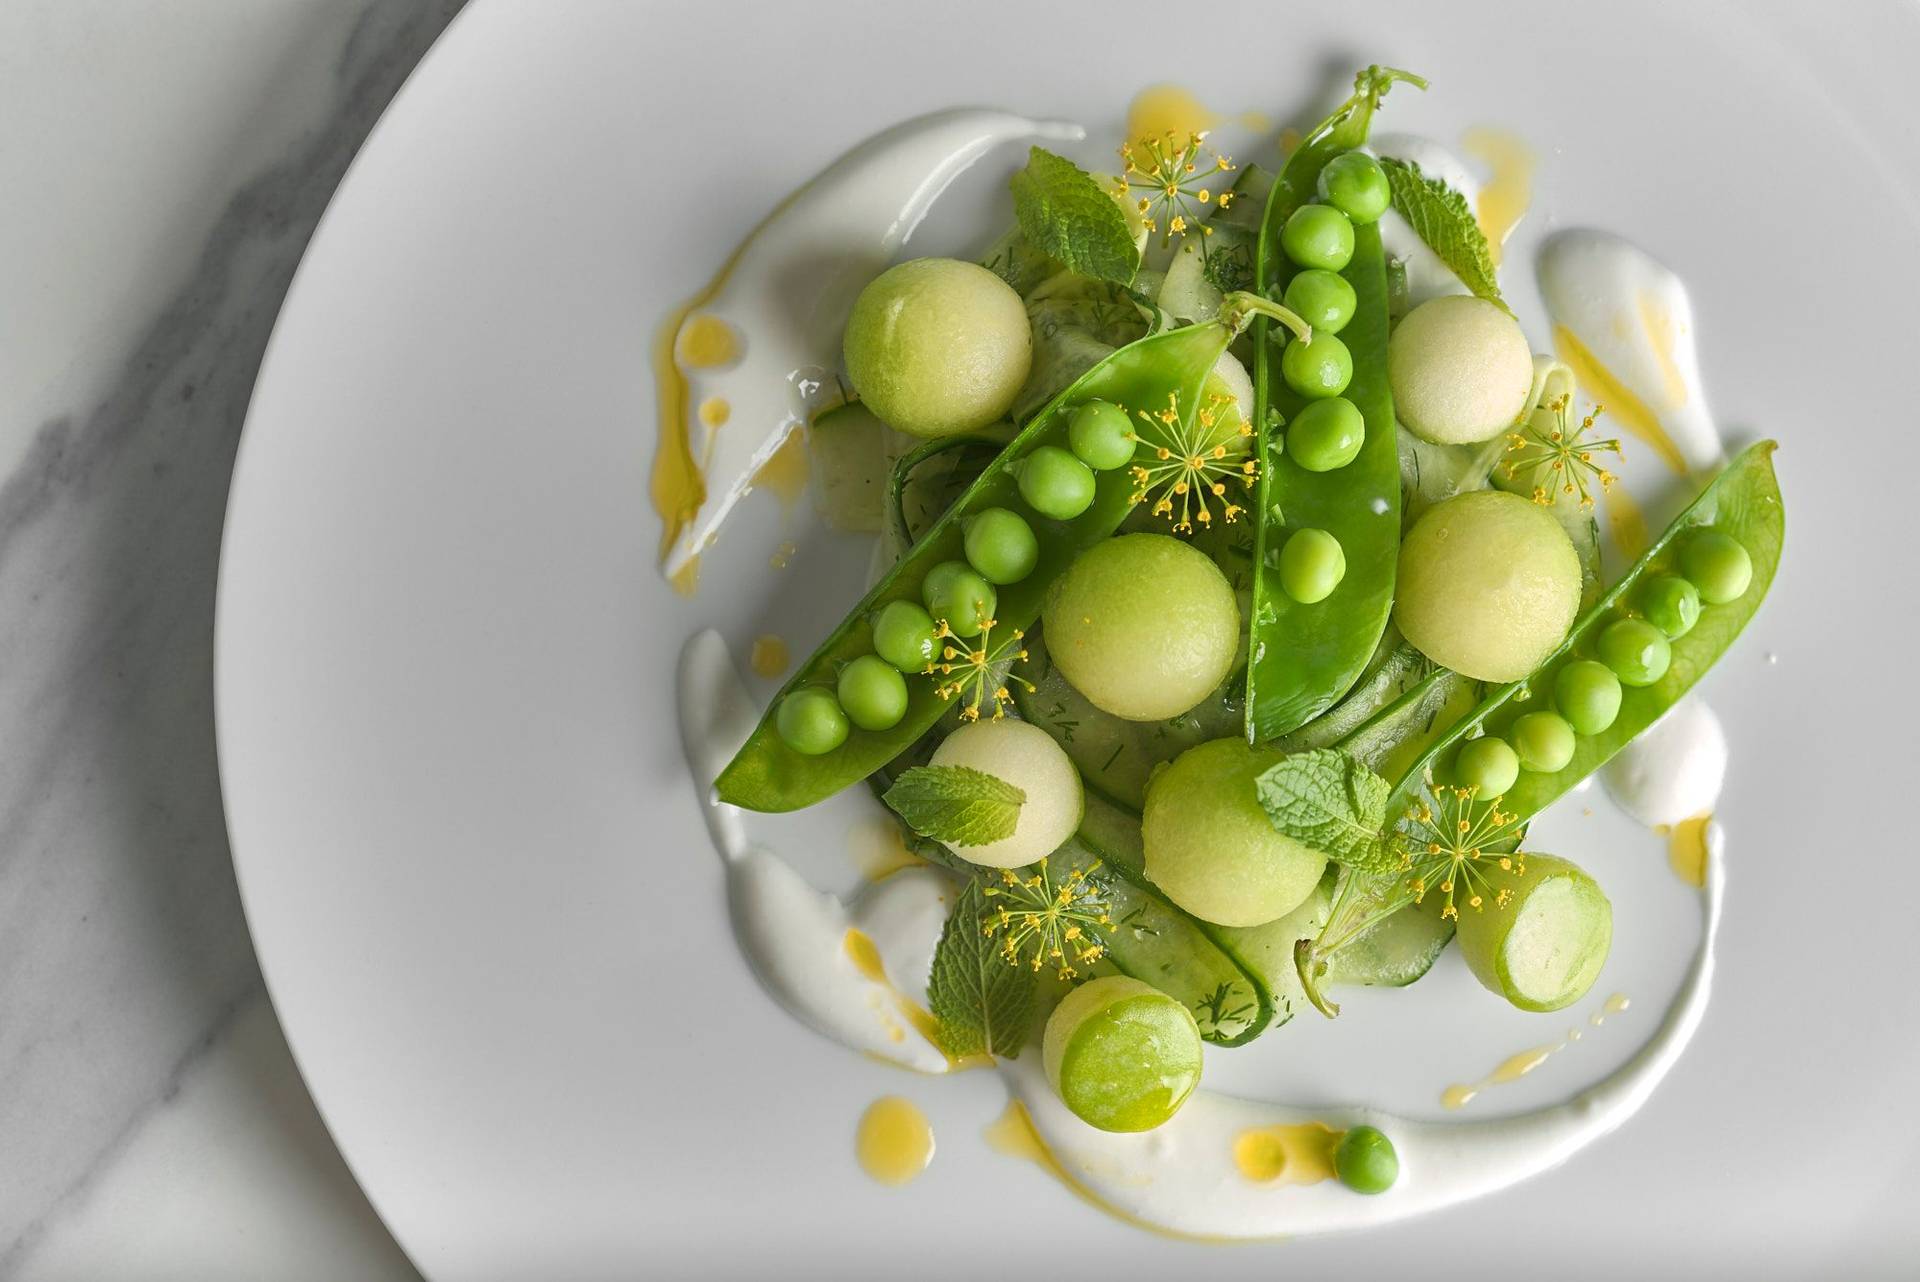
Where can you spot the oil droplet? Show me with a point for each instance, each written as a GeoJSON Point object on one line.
{"type": "Point", "coordinates": [1614, 1005]}
{"type": "Point", "coordinates": [705, 342]}
{"type": "Point", "coordinates": [786, 470]}
{"type": "Point", "coordinates": [1507, 195]}
{"type": "Point", "coordinates": [1687, 850]}
{"type": "Point", "coordinates": [879, 848]}
{"type": "Point", "coordinates": [1515, 1067]}
{"type": "Point", "coordinates": [769, 655]}
{"type": "Point", "coordinates": [894, 1142]}
{"type": "Point", "coordinates": [783, 555]}
{"type": "Point", "coordinates": [1167, 109]}
{"type": "Point", "coordinates": [865, 956]}
{"type": "Point", "coordinates": [1288, 1154]}
{"type": "Point", "coordinates": [1626, 523]}
{"type": "Point", "coordinates": [1289, 141]}
{"type": "Point", "coordinates": [1600, 383]}
{"type": "Point", "coordinates": [714, 411]}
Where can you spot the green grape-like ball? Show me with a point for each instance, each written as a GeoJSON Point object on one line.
{"type": "Point", "coordinates": [1718, 565]}
{"type": "Point", "coordinates": [1312, 563]}
{"type": "Point", "coordinates": [1028, 758]}
{"type": "Point", "coordinates": [1322, 299]}
{"type": "Point", "coordinates": [810, 721]}
{"type": "Point", "coordinates": [1055, 483]}
{"type": "Point", "coordinates": [1488, 764]}
{"type": "Point", "coordinates": [1101, 436]}
{"type": "Point", "coordinates": [1326, 435]}
{"type": "Point", "coordinates": [1489, 584]}
{"type": "Point", "coordinates": [1588, 695]}
{"type": "Point", "coordinates": [873, 693]}
{"type": "Point", "coordinates": [1356, 185]}
{"type": "Point", "coordinates": [1638, 652]}
{"type": "Point", "coordinates": [1670, 604]}
{"type": "Point", "coordinates": [956, 594]}
{"type": "Point", "coordinates": [1318, 236]}
{"type": "Point", "coordinates": [1544, 942]}
{"type": "Point", "coordinates": [904, 635]}
{"type": "Point", "coordinates": [1319, 367]}
{"type": "Point", "coordinates": [936, 346]}
{"type": "Point", "coordinates": [1122, 1055]}
{"type": "Point", "coordinates": [1144, 625]}
{"type": "Point", "coordinates": [1460, 368]}
{"type": "Point", "coordinates": [1365, 1160]}
{"type": "Point", "coordinates": [1543, 741]}
{"type": "Point", "coordinates": [1001, 545]}
{"type": "Point", "coordinates": [1211, 848]}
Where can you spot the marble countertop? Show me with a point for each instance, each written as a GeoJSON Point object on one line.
{"type": "Point", "coordinates": [164, 165]}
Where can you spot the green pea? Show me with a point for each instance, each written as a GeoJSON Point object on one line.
{"type": "Point", "coordinates": [1489, 764]}
{"type": "Point", "coordinates": [1318, 236]}
{"type": "Point", "coordinates": [904, 635]}
{"type": "Point", "coordinates": [1326, 434]}
{"type": "Point", "coordinates": [1320, 367]}
{"type": "Point", "coordinates": [1670, 604]}
{"type": "Point", "coordinates": [1055, 483]}
{"type": "Point", "coordinates": [810, 722]}
{"type": "Point", "coordinates": [1717, 565]}
{"type": "Point", "coordinates": [1365, 1161]}
{"type": "Point", "coordinates": [956, 594]}
{"type": "Point", "coordinates": [873, 693]}
{"type": "Point", "coordinates": [1001, 545]}
{"type": "Point", "coordinates": [1356, 185]}
{"type": "Point", "coordinates": [1637, 651]}
{"type": "Point", "coordinates": [1101, 436]}
{"type": "Point", "coordinates": [1312, 563]}
{"type": "Point", "coordinates": [1322, 299]}
{"type": "Point", "coordinates": [1543, 741]}
{"type": "Point", "coordinates": [1587, 695]}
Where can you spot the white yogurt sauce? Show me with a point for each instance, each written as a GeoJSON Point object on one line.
{"type": "Point", "coordinates": [1427, 276]}
{"type": "Point", "coordinates": [788, 290]}
{"type": "Point", "coordinates": [1674, 770]}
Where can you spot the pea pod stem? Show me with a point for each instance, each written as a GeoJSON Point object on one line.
{"type": "Point", "coordinates": [1241, 307]}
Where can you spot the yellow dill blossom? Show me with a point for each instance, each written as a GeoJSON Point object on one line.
{"type": "Point", "coordinates": [1040, 921]}
{"type": "Point", "coordinates": [1170, 173]}
{"type": "Point", "coordinates": [1186, 464]}
{"type": "Point", "coordinates": [977, 672]}
{"type": "Point", "coordinates": [1560, 458]}
{"type": "Point", "coordinates": [1450, 852]}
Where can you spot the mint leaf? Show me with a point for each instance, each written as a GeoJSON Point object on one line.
{"type": "Point", "coordinates": [1066, 213]}
{"type": "Point", "coordinates": [979, 1002]}
{"type": "Point", "coordinates": [1440, 216]}
{"type": "Point", "coordinates": [1327, 800]}
{"type": "Point", "coordinates": [956, 804]}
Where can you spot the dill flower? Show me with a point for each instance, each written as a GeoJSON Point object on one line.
{"type": "Point", "coordinates": [1560, 458]}
{"type": "Point", "coordinates": [1450, 852]}
{"type": "Point", "coordinates": [977, 673]}
{"type": "Point", "coordinates": [1040, 921]}
{"type": "Point", "coordinates": [1188, 464]}
{"type": "Point", "coordinates": [1169, 173]}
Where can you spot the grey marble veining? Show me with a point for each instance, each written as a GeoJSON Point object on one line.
{"type": "Point", "coordinates": [123, 953]}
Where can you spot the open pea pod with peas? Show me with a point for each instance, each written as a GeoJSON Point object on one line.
{"type": "Point", "coordinates": [1327, 526]}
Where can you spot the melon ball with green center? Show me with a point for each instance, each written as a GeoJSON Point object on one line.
{"type": "Point", "coordinates": [1028, 758]}
{"type": "Point", "coordinates": [1210, 846]}
{"type": "Point", "coordinates": [936, 346]}
{"type": "Point", "coordinates": [1460, 369]}
{"type": "Point", "coordinates": [1143, 625]}
{"type": "Point", "coordinates": [1121, 1054]}
{"type": "Point", "coordinates": [1489, 584]}
{"type": "Point", "coordinates": [1541, 933]}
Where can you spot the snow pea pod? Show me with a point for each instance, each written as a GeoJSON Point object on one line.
{"type": "Point", "coordinates": [1302, 658]}
{"type": "Point", "coordinates": [768, 775]}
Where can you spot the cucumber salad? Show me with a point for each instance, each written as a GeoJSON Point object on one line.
{"type": "Point", "coordinates": [1238, 604]}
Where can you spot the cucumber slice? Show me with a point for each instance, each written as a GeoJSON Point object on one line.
{"type": "Point", "coordinates": [1393, 953]}
{"type": "Point", "coordinates": [853, 451]}
{"type": "Point", "coordinates": [1267, 951]}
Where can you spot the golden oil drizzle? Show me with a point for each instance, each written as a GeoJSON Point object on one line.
{"type": "Point", "coordinates": [1626, 523]}
{"type": "Point", "coordinates": [1517, 1066]}
{"type": "Point", "coordinates": [1657, 320]}
{"type": "Point", "coordinates": [786, 470]}
{"type": "Point", "coordinates": [865, 956]}
{"type": "Point", "coordinates": [1167, 109]}
{"type": "Point", "coordinates": [714, 412]}
{"type": "Point", "coordinates": [769, 655]}
{"type": "Point", "coordinates": [894, 1141]}
{"type": "Point", "coordinates": [1602, 385]}
{"type": "Point", "coordinates": [686, 579]}
{"type": "Point", "coordinates": [1507, 196]}
{"type": "Point", "coordinates": [1687, 849]}
{"type": "Point", "coordinates": [879, 848]}
{"type": "Point", "coordinates": [1301, 1154]}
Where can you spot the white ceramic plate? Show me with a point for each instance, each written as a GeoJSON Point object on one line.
{"type": "Point", "coordinates": [473, 864]}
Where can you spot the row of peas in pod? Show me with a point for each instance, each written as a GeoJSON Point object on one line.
{"type": "Point", "coordinates": [1328, 431]}
{"type": "Point", "coordinates": [958, 598]}
{"type": "Point", "coordinates": [1633, 650]}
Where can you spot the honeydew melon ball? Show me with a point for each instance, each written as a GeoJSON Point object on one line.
{"type": "Point", "coordinates": [1489, 584]}
{"type": "Point", "coordinates": [1028, 758]}
{"type": "Point", "coordinates": [1460, 368]}
{"type": "Point", "coordinates": [1210, 846]}
{"type": "Point", "coordinates": [1143, 625]}
{"type": "Point", "coordinates": [1121, 1054]}
{"type": "Point", "coordinates": [936, 346]}
{"type": "Point", "coordinates": [1541, 943]}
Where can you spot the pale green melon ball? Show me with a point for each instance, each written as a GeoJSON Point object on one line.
{"type": "Point", "coordinates": [1121, 1054]}
{"type": "Point", "coordinates": [1028, 758]}
{"type": "Point", "coordinates": [1489, 585]}
{"type": "Point", "coordinates": [1460, 368]}
{"type": "Point", "coordinates": [1143, 625]}
{"type": "Point", "coordinates": [1210, 846]}
{"type": "Point", "coordinates": [936, 346]}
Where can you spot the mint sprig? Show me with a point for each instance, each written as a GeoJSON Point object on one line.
{"type": "Point", "coordinates": [956, 804]}
{"type": "Point", "coordinates": [1329, 801]}
{"type": "Point", "coordinates": [979, 1003]}
{"type": "Point", "coordinates": [1067, 214]}
{"type": "Point", "coordinates": [1442, 219]}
